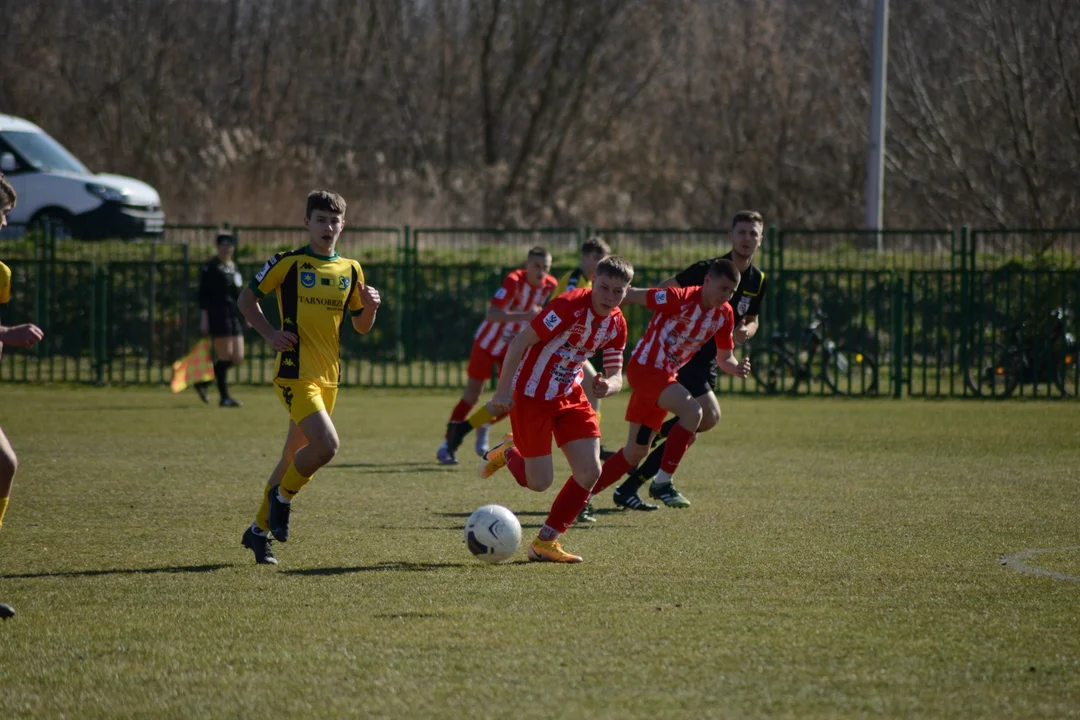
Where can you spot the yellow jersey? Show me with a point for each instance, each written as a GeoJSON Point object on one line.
{"type": "Point", "coordinates": [5, 283]}
{"type": "Point", "coordinates": [313, 292]}
{"type": "Point", "coordinates": [576, 279]}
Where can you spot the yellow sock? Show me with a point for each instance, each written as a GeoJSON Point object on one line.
{"type": "Point", "coordinates": [482, 416]}
{"type": "Point", "coordinates": [262, 518]}
{"type": "Point", "coordinates": [292, 482]}
{"type": "Point", "coordinates": [3, 509]}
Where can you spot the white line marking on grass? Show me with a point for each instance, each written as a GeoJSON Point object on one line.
{"type": "Point", "coordinates": [1016, 562]}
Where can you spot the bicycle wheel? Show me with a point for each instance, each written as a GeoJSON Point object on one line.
{"type": "Point", "coordinates": [850, 371]}
{"type": "Point", "coordinates": [774, 371]}
{"type": "Point", "coordinates": [993, 370]}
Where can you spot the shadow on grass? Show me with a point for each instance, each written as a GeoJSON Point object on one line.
{"type": "Point", "coordinates": [393, 467]}
{"type": "Point", "coordinates": [119, 571]}
{"type": "Point", "coordinates": [524, 513]}
{"type": "Point", "coordinates": [388, 566]}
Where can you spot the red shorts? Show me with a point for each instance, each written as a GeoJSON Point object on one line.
{"type": "Point", "coordinates": [647, 383]}
{"type": "Point", "coordinates": [568, 418]}
{"type": "Point", "coordinates": [481, 362]}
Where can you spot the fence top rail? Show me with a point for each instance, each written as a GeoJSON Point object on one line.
{"type": "Point", "coordinates": [865, 231]}
{"type": "Point", "coordinates": [495, 231]}
{"type": "Point", "coordinates": [665, 230]}
{"type": "Point", "coordinates": [1024, 231]}
{"type": "Point", "coordinates": [301, 229]}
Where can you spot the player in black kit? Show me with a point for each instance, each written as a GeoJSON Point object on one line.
{"type": "Point", "coordinates": [220, 284]}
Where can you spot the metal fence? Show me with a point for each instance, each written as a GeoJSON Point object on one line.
{"type": "Point", "coordinates": [1008, 332]}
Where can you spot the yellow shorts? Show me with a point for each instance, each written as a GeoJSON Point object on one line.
{"type": "Point", "coordinates": [302, 398]}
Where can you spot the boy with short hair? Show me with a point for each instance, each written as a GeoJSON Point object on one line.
{"type": "Point", "coordinates": [684, 319]}
{"type": "Point", "coordinates": [517, 301]}
{"type": "Point", "coordinates": [699, 374]}
{"type": "Point", "coordinates": [27, 335]}
{"type": "Point", "coordinates": [315, 287]}
{"type": "Point", "coordinates": [545, 398]}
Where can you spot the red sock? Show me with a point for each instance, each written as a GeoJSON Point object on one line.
{"type": "Point", "coordinates": [516, 464]}
{"type": "Point", "coordinates": [677, 441]}
{"type": "Point", "coordinates": [461, 411]}
{"type": "Point", "coordinates": [614, 468]}
{"type": "Point", "coordinates": [568, 504]}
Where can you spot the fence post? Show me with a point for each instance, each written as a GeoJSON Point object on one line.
{"type": "Point", "coordinates": [897, 336]}
{"type": "Point", "coordinates": [101, 302]}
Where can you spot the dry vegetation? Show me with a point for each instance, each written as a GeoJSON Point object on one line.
{"type": "Point", "coordinates": [648, 112]}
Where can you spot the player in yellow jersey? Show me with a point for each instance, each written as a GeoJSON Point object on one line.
{"type": "Point", "coordinates": [315, 287]}
{"type": "Point", "coordinates": [27, 335]}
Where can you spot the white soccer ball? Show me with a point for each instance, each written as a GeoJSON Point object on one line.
{"type": "Point", "coordinates": [492, 533]}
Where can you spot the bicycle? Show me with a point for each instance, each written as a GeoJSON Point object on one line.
{"type": "Point", "coordinates": [779, 367]}
{"type": "Point", "coordinates": [1027, 355]}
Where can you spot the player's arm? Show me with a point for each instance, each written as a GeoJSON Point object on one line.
{"type": "Point", "coordinates": [664, 300]}
{"type": "Point", "coordinates": [497, 314]}
{"type": "Point", "coordinates": [635, 296]}
{"type": "Point", "coordinates": [746, 330]}
{"type": "Point", "coordinates": [503, 398]}
{"type": "Point", "coordinates": [725, 346]}
{"type": "Point", "coordinates": [363, 321]}
{"type": "Point", "coordinates": [611, 380]}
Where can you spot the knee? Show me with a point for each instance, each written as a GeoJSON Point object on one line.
{"type": "Point", "coordinates": [471, 395]}
{"type": "Point", "coordinates": [8, 465]}
{"type": "Point", "coordinates": [635, 453]}
{"type": "Point", "coordinates": [540, 483]}
{"type": "Point", "coordinates": [238, 356]}
{"type": "Point", "coordinates": [588, 477]}
{"type": "Point", "coordinates": [691, 418]}
{"type": "Point", "coordinates": [710, 418]}
{"type": "Point", "coordinates": [326, 448]}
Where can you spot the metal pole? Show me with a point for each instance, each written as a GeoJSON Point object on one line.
{"type": "Point", "coordinates": [875, 177]}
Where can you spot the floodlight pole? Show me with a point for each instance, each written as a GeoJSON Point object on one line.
{"type": "Point", "coordinates": [875, 171]}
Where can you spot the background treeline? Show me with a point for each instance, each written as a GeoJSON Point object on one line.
{"type": "Point", "coordinates": [525, 112]}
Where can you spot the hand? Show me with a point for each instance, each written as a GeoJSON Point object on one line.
{"type": "Point", "coordinates": [502, 401]}
{"type": "Point", "coordinates": [534, 311]}
{"type": "Point", "coordinates": [601, 386]}
{"type": "Point", "coordinates": [744, 368]}
{"type": "Point", "coordinates": [283, 340]}
{"type": "Point", "coordinates": [741, 334]}
{"type": "Point", "coordinates": [204, 325]}
{"type": "Point", "coordinates": [26, 336]}
{"type": "Point", "coordinates": [370, 296]}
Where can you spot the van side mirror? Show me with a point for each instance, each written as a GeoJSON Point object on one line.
{"type": "Point", "coordinates": [7, 162]}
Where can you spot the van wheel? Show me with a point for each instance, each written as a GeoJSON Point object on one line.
{"type": "Point", "coordinates": [53, 223]}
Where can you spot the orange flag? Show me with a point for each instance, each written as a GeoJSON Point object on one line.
{"type": "Point", "coordinates": [195, 367]}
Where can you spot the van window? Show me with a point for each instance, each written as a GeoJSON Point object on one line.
{"type": "Point", "coordinates": [44, 153]}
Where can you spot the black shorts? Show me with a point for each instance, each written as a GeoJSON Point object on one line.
{"type": "Point", "coordinates": [224, 322]}
{"type": "Point", "coordinates": [699, 378]}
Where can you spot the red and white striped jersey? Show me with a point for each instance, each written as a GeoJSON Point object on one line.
{"type": "Point", "coordinates": [680, 325]}
{"type": "Point", "coordinates": [570, 333]}
{"type": "Point", "coordinates": [514, 295]}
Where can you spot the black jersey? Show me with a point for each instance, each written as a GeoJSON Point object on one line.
{"type": "Point", "coordinates": [745, 301]}
{"type": "Point", "coordinates": [219, 286]}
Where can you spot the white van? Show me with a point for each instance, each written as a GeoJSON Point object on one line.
{"type": "Point", "coordinates": [54, 186]}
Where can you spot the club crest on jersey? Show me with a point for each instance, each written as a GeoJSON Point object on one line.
{"type": "Point", "coordinates": [744, 305]}
{"type": "Point", "coordinates": [343, 283]}
{"type": "Point", "coordinates": [307, 279]}
{"type": "Point", "coordinates": [661, 297]}
{"type": "Point", "coordinates": [552, 320]}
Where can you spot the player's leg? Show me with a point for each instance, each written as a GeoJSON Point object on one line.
{"type": "Point", "coordinates": [479, 371]}
{"type": "Point", "coordinates": [584, 458]}
{"type": "Point", "coordinates": [225, 352]}
{"type": "Point", "coordinates": [526, 452]}
{"type": "Point", "coordinates": [8, 465]}
{"type": "Point", "coordinates": [698, 378]}
{"type": "Point", "coordinates": [310, 407]}
{"type": "Point", "coordinates": [483, 418]}
{"type": "Point", "coordinates": [677, 400]}
{"type": "Point", "coordinates": [257, 537]}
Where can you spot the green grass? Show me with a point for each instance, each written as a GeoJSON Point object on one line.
{"type": "Point", "coordinates": [840, 559]}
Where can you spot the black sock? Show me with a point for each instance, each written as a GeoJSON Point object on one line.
{"type": "Point", "coordinates": [455, 434]}
{"type": "Point", "coordinates": [666, 427]}
{"type": "Point", "coordinates": [221, 369]}
{"type": "Point", "coordinates": [651, 466]}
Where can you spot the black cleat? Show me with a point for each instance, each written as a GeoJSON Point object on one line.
{"type": "Point", "coordinates": [203, 394]}
{"type": "Point", "coordinates": [6, 611]}
{"type": "Point", "coordinates": [631, 501]}
{"type": "Point", "coordinates": [260, 545]}
{"type": "Point", "coordinates": [586, 514]}
{"type": "Point", "coordinates": [279, 516]}
{"type": "Point", "coordinates": [229, 402]}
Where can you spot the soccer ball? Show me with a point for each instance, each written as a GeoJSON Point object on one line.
{"type": "Point", "coordinates": [492, 533]}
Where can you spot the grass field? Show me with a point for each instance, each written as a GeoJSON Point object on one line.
{"type": "Point", "coordinates": [841, 559]}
